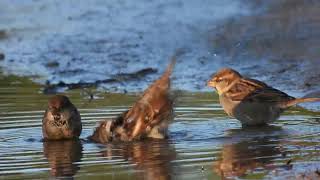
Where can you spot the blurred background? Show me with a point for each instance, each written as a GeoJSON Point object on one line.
{"type": "Point", "coordinates": [121, 46]}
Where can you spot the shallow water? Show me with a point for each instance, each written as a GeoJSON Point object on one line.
{"type": "Point", "coordinates": [204, 143]}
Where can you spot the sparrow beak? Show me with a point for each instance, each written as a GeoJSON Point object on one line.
{"type": "Point", "coordinates": [211, 83]}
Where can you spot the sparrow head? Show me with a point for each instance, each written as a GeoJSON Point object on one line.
{"type": "Point", "coordinates": [103, 133]}
{"type": "Point", "coordinates": [223, 78]}
{"type": "Point", "coordinates": [58, 102]}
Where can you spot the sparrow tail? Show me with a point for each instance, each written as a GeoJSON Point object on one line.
{"type": "Point", "coordinates": [300, 100]}
{"type": "Point", "coordinates": [174, 58]}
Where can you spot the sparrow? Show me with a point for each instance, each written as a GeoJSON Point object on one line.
{"type": "Point", "coordinates": [149, 117]}
{"type": "Point", "coordinates": [251, 101]}
{"type": "Point", "coordinates": [61, 119]}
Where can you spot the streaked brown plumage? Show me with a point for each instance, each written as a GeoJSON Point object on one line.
{"type": "Point", "coordinates": [61, 119]}
{"type": "Point", "coordinates": [148, 117]}
{"type": "Point", "coordinates": [251, 101]}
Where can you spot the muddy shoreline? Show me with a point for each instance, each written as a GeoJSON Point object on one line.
{"type": "Point", "coordinates": [106, 44]}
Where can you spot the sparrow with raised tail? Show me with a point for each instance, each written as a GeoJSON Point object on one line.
{"type": "Point", "coordinates": [148, 117]}
{"type": "Point", "coordinates": [251, 101]}
{"type": "Point", "coordinates": [61, 119]}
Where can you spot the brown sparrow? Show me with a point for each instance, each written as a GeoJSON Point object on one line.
{"type": "Point", "coordinates": [251, 101]}
{"type": "Point", "coordinates": [148, 117]}
{"type": "Point", "coordinates": [61, 119]}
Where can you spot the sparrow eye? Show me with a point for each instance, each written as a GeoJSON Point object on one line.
{"type": "Point", "coordinates": [219, 80]}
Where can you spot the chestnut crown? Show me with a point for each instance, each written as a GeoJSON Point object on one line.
{"type": "Point", "coordinates": [58, 101]}
{"type": "Point", "coordinates": [223, 78]}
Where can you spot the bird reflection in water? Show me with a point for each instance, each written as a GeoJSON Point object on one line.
{"type": "Point", "coordinates": [62, 156]}
{"type": "Point", "coordinates": [152, 157]}
{"type": "Point", "coordinates": [257, 148]}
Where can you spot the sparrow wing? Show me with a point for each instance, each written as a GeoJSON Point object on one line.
{"type": "Point", "coordinates": [243, 88]}
{"type": "Point", "coordinates": [154, 102]}
{"type": "Point", "coordinates": [268, 94]}
{"type": "Point", "coordinates": [255, 90]}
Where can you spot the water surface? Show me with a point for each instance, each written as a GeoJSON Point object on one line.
{"type": "Point", "coordinates": [204, 143]}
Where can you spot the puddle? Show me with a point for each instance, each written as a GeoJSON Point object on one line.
{"type": "Point", "coordinates": [204, 143]}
